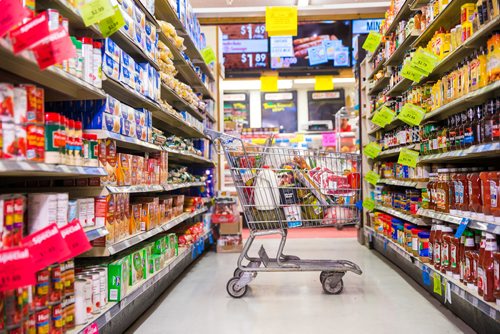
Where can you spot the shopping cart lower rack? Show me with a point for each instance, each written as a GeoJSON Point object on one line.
{"type": "Point", "coordinates": [281, 188]}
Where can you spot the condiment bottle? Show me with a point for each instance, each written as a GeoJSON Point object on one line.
{"type": "Point", "coordinates": [414, 241]}
{"type": "Point", "coordinates": [489, 120]}
{"type": "Point", "coordinates": [496, 276]}
{"type": "Point", "coordinates": [479, 281]}
{"type": "Point", "coordinates": [455, 252]}
{"type": "Point", "coordinates": [468, 246]}
{"type": "Point", "coordinates": [431, 191]}
{"type": "Point", "coordinates": [462, 191]}
{"type": "Point", "coordinates": [432, 237]}
{"type": "Point", "coordinates": [485, 194]}
{"type": "Point", "coordinates": [437, 247]}
{"type": "Point", "coordinates": [442, 191]}
{"type": "Point", "coordinates": [469, 274]}
{"type": "Point", "coordinates": [486, 269]}
{"type": "Point", "coordinates": [451, 192]}
{"type": "Point", "coordinates": [447, 232]}
{"type": "Point", "coordinates": [475, 201]}
{"type": "Point", "coordinates": [494, 192]}
{"type": "Point", "coordinates": [475, 264]}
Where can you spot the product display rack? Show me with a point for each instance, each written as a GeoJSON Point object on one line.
{"type": "Point", "coordinates": [26, 168]}
{"type": "Point", "coordinates": [466, 303]}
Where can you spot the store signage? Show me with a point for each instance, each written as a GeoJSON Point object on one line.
{"type": "Point", "coordinates": [12, 13]}
{"type": "Point", "coordinates": [269, 83]}
{"type": "Point", "coordinates": [235, 97]}
{"type": "Point", "coordinates": [365, 26]}
{"type": "Point", "coordinates": [75, 238]}
{"type": "Point", "coordinates": [411, 114]}
{"type": "Point", "coordinates": [31, 33]}
{"type": "Point", "coordinates": [47, 246]}
{"type": "Point", "coordinates": [437, 284]}
{"type": "Point", "coordinates": [55, 49]}
{"type": "Point", "coordinates": [372, 150]}
{"type": "Point", "coordinates": [329, 140]}
{"type": "Point", "coordinates": [412, 73]}
{"type": "Point", "coordinates": [17, 268]}
{"type": "Point", "coordinates": [462, 227]}
{"type": "Point", "coordinates": [282, 46]}
{"type": "Point", "coordinates": [323, 82]}
{"type": "Point", "coordinates": [369, 204]}
{"type": "Point", "coordinates": [408, 157]}
{"type": "Point", "coordinates": [208, 55]}
{"type": "Point", "coordinates": [372, 41]}
{"type": "Point", "coordinates": [112, 24]}
{"type": "Point", "coordinates": [95, 11]}
{"type": "Point", "coordinates": [424, 60]}
{"type": "Point", "coordinates": [281, 21]}
{"type": "Point", "coordinates": [372, 177]}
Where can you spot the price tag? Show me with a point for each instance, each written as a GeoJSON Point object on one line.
{"type": "Point", "coordinates": [385, 244]}
{"type": "Point", "coordinates": [95, 11]}
{"type": "Point", "coordinates": [425, 276]}
{"type": "Point", "coordinates": [372, 41]}
{"type": "Point", "coordinates": [372, 177]}
{"type": "Point", "coordinates": [411, 114]}
{"type": "Point", "coordinates": [17, 269]}
{"type": "Point", "coordinates": [424, 60]}
{"type": "Point", "coordinates": [210, 238]}
{"type": "Point", "coordinates": [437, 284]}
{"type": "Point", "coordinates": [281, 21]}
{"type": "Point", "coordinates": [208, 55]}
{"type": "Point", "coordinates": [329, 140]}
{"type": "Point", "coordinates": [412, 73]}
{"type": "Point", "coordinates": [112, 24]}
{"type": "Point", "coordinates": [369, 204]}
{"type": "Point", "coordinates": [30, 33]}
{"type": "Point", "coordinates": [75, 238]}
{"type": "Point", "coordinates": [269, 83]}
{"type": "Point", "coordinates": [462, 227]}
{"type": "Point", "coordinates": [372, 150]}
{"type": "Point", "coordinates": [408, 157]}
{"type": "Point", "coordinates": [53, 50]}
{"type": "Point", "coordinates": [13, 12]}
{"type": "Point", "coordinates": [323, 82]}
{"type": "Point", "coordinates": [91, 329]}
{"type": "Point", "coordinates": [47, 246]}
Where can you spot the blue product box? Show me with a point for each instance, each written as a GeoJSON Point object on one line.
{"type": "Point", "coordinates": [100, 120]}
{"type": "Point", "coordinates": [112, 106]}
{"type": "Point", "coordinates": [140, 78]}
{"type": "Point", "coordinates": [129, 27]}
{"type": "Point", "coordinates": [111, 49]}
{"type": "Point", "coordinates": [150, 31]}
{"type": "Point", "coordinates": [126, 77]}
{"type": "Point", "coordinates": [127, 61]}
{"type": "Point", "coordinates": [141, 132]}
{"type": "Point", "coordinates": [133, 130]}
{"type": "Point", "coordinates": [110, 67]}
{"type": "Point", "coordinates": [125, 127]}
{"type": "Point", "coordinates": [140, 118]}
{"type": "Point", "coordinates": [181, 10]}
{"type": "Point", "coordinates": [148, 118]}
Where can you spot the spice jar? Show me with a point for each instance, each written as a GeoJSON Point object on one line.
{"type": "Point", "coordinates": [90, 150]}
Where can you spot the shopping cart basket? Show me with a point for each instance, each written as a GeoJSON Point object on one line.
{"type": "Point", "coordinates": [282, 188]}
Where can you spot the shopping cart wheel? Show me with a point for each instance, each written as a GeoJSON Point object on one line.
{"type": "Point", "coordinates": [233, 291]}
{"type": "Point", "coordinates": [332, 285]}
{"type": "Point", "coordinates": [237, 272]}
{"type": "Point", "coordinates": [340, 227]}
{"type": "Point", "coordinates": [323, 275]}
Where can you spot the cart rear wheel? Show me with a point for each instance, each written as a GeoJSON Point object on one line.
{"type": "Point", "coordinates": [233, 290]}
{"type": "Point", "coordinates": [331, 286]}
{"type": "Point", "coordinates": [323, 275]}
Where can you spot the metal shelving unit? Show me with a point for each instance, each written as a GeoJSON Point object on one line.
{"type": "Point", "coordinates": [403, 12]}
{"type": "Point", "coordinates": [408, 217]}
{"type": "Point", "coordinates": [376, 69]}
{"type": "Point", "coordinates": [128, 143]}
{"type": "Point", "coordinates": [179, 103]}
{"type": "Point", "coordinates": [96, 232]}
{"type": "Point", "coordinates": [127, 95]}
{"type": "Point", "coordinates": [379, 85]}
{"type": "Point", "coordinates": [27, 168]}
{"type": "Point", "coordinates": [185, 157]}
{"type": "Point", "coordinates": [398, 55]}
{"type": "Point", "coordinates": [400, 87]}
{"type": "Point", "coordinates": [151, 188]}
{"type": "Point", "coordinates": [473, 152]}
{"type": "Point", "coordinates": [490, 226]}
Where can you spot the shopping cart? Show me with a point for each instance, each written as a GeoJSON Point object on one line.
{"type": "Point", "coordinates": [282, 188]}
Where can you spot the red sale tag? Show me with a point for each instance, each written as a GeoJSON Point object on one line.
{"type": "Point", "coordinates": [31, 33]}
{"type": "Point", "coordinates": [12, 13]}
{"type": "Point", "coordinates": [17, 269]}
{"type": "Point", "coordinates": [329, 140]}
{"type": "Point", "coordinates": [54, 49]}
{"type": "Point", "coordinates": [75, 238]}
{"type": "Point", "coordinates": [47, 246]}
{"type": "Point", "coordinates": [92, 329]}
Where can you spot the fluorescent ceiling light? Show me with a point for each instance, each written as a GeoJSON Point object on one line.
{"type": "Point", "coordinates": [335, 80]}
{"type": "Point", "coordinates": [302, 3]}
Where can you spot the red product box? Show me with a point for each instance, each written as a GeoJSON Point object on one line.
{"type": "Point", "coordinates": [35, 142]}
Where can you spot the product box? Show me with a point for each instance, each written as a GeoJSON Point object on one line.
{"type": "Point", "coordinates": [112, 106]}
{"type": "Point", "coordinates": [231, 228]}
{"type": "Point", "coordinates": [172, 245]}
{"type": "Point", "coordinates": [81, 213]}
{"type": "Point", "coordinates": [127, 62]}
{"type": "Point", "coordinates": [136, 223]}
{"type": "Point", "coordinates": [112, 50]}
{"type": "Point", "coordinates": [118, 276]}
{"type": "Point", "coordinates": [155, 263]}
{"type": "Point", "coordinates": [90, 204]}
{"type": "Point", "coordinates": [101, 210]}
{"type": "Point", "coordinates": [127, 77]}
{"type": "Point", "coordinates": [142, 78]}
{"type": "Point", "coordinates": [110, 67]}
{"type": "Point", "coordinates": [140, 117]}
{"type": "Point", "coordinates": [160, 246]}
{"type": "Point", "coordinates": [141, 132]}
{"type": "Point", "coordinates": [124, 177]}
{"type": "Point", "coordinates": [129, 27]}
{"type": "Point", "coordinates": [138, 266]}
{"type": "Point", "coordinates": [42, 211]}
{"type": "Point", "coordinates": [127, 6]}
{"type": "Point", "coordinates": [230, 244]}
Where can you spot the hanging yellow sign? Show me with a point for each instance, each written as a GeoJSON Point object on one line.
{"type": "Point", "coordinates": [408, 157]}
{"type": "Point", "coordinates": [323, 82]}
{"type": "Point", "coordinates": [269, 83]}
{"type": "Point", "coordinates": [95, 11]}
{"type": "Point", "coordinates": [372, 177]}
{"type": "Point", "coordinates": [281, 21]}
{"type": "Point", "coordinates": [112, 24]}
{"type": "Point", "coordinates": [372, 41]}
{"type": "Point", "coordinates": [372, 150]}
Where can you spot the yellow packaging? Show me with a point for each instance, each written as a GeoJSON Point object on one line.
{"type": "Point", "coordinates": [467, 12]}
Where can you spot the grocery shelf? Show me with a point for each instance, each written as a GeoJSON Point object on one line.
{"type": "Point", "coordinates": [393, 152]}
{"type": "Point", "coordinates": [403, 12]}
{"type": "Point", "coordinates": [447, 19]}
{"type": "Point", "coordinates": [376, 69]}
{"type": "Point", "coordinates": [400, 87]}
{"type": "Point", "coordinates": [417, 4]}
{"type": "Point", "coordinates": [127, 95]}
{"type": "Point", "coordinates": [210, 117]}
{"type": "Point", "coordinates": [27, 168]}
{"type": "Point", "coordinates": [195, 55]}
{"type": "Point", "coordinates": [140, 188]}
{"type": "Point", "coordinates": [132, 49]}
{"type": "Point", "coordinates": [466, 303]}
{"type": "Point", "coordinates": [58, 84]}
{"type": "Point", "coordinates": [398, 55]}
{"type": "Point", "coordinates": [490, 150]}
{"type": "Point", "coordinates": [381, 44]}
{"type": "Point", "coordinates": [178, 102]}
{"type": "Point", "coordinates": [478, 224]}
{"type": "Point", "coordinates": [140, 237]}
{"type": "Point", "coordinates": [125, 142]}
{"type": "Point", "coordinates": [116, 317]}
{"type": "Point", "coordinates": [410, 218]}
{"type": "Point", "coordinates": [95, 232]}
{"type": "Point", "coordinates": [401, 183]}
{"type": "Point", "coordinates": [468, 100]}
{"type": "Point", "coordinates": [379, 85]}
{"type": "Point", "coordinates": [174, 186]}
{"type": "Point", "coordinates": [453, 58]}
{"type": "Point", "coordinates": [374, 130]}
{"type": "Point", "coordinates": [186, 157]}
{"type": "Point", "coordinates": [174, 123]}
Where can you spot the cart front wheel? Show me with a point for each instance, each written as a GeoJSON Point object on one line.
{"type": "Point", "coordinates": [237, 272]}
{"type": "Point", "coordinates": [323, 275]}
{"type": "Point", "coordinates": [233, 291]}
{"type": "Point", "coordinates": [331, 286]}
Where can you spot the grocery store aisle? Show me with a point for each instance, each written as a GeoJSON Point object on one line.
{"type": "Point", "coordinates": [379, 301]}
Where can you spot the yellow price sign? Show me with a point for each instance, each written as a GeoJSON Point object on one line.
{"type": "Point", "coordinates": [281, 21]}
{"type": "Point", "coordinates": [424, 60]}
{"type": "Point", "coordinates": [369, 204]}
{"type": "Point", "coordinates": [372, 177]}
{"type": "Point", "coordinates": [412, 73]}
{"type": "Point", "coordinates": [112, 24]}
{"type": "Point", "coordinates": [437, 284]}
{"type": "Point", "coordinates": [95, 11]}
{"type": "Point", "coordinates": [269, 83]}
{"type": "Point", "coordinates": [383, 117]}
{"type": "Point", "coordinates": [411, 114]}
{"type": "Point", "coordinates": [372, 150]}
{"type": "Point", "coordinates": [408, 157]}
{"type": "Point", "coordinates": [372, 41]}
{"type": "Point", "coordinates": [208, 55]}
{"type": "Point", "coordinates": [323, 82]}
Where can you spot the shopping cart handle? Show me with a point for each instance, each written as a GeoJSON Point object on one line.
{"type": "Point", "coordinates": [225, 138]}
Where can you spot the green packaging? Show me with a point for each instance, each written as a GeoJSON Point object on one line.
{"type": "Point", "coordinates": [138, 268]}
{"type": "Point", "coordinates": [155, 263]}
{"type": "Point", "coordinates": [172, 245]}
{"type": "Point", "coordinates": [118, 274]}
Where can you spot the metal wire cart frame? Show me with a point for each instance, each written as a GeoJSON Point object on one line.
{"type": "Point", "coordinates": [281, 188]}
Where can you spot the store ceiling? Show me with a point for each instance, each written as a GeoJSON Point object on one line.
{"type": "Point", "coordinates": [245, 8]}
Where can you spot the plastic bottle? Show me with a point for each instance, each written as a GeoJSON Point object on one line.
{"type": "Point", "coordinates": [432, 238]}
{"type": "Point", "coordinates": [446, 235]}
{"type": "Point", "coordinates": [437, 246]}
{"type": "Point", "coordinates": [479, 260]}
{"type": "Point", "coordinates": [266, 193]}
{"type": "Point", "coordinates": [455, 253]}
{"type": "Point", "coordinates": [496, 276]}
{"type": "Point", "coordinates": [485, 195]}
{"type": "Point", "coordinates": [494, 194]}
{"type": "Point", "coordinates": [76, 64]}
{"type": "Point", "coordinates": [431, 190]}
{"type": "Point", "coordinates": [475, 200]}
{"type": "Point", "coordinates": [483, 67]}
{"type": "Point", "coordinates": [467, 247]}
{"type": "Point", "coordinates": [414, 241]}
{"type": "Point", "coordinates": [486, 269]}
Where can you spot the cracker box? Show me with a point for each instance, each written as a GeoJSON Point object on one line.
{"type": "Point", "coordinates": [127, 77]}
{"type": "Point", "coordinates": [118, 276]}
{"type": "Point", "coordinates": [155, 263]}
{"type": "Point", "coordinates": [112, 106]}
{"type": "Point", "coordinates": [138, 267]}
{"type": "Point", "coordinates": [124, 177]}
{"type": "Point", "coordinates": [42, 211]}
{"type": "Point", "coordinates": [110, 67]}
{"type": "Point", "coordinates": [136, 224]}
{"type": "Point", "coordinates": [127, 62]}
{"type": "Point", "coordinates": [112, 50]}
{"type": "Point", "coordinates": [172, 245]}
